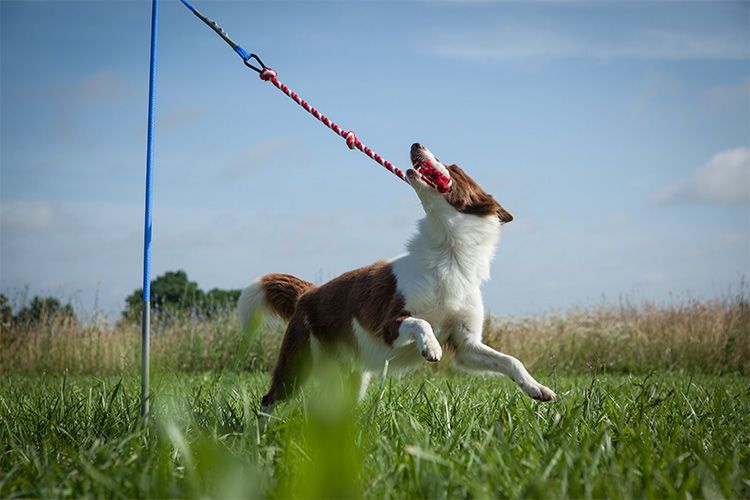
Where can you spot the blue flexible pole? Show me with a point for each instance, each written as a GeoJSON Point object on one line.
{"type": "Point", "coordinates": [146, 313]}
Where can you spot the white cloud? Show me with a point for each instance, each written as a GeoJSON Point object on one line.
{"type": "Point", "coordinates": [26, 216]}
{"type": "Point", "coordinates": [515, 42]}
{"type": "Point", "coordinates": [270, 153]}
{"type": "Point", "coordinates": [102, 86]}
{"type": "Point", "coordinates": [501, 2]}
{"type": "Point", "coordinates": [724, 179]}
{"type": "Point", "coordinates": [653, 87]}
{"type": "Point", "coordinates": [730, 95]}
{"type": "Point", "coordinates": [97, 87]}
{"type": "Point", "coordinates": [180, 117]}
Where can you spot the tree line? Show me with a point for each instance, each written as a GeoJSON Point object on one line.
{"type": "Point", "coordinates": [38, 309]}
{"type": "Point", "coordinates": [172, 292]}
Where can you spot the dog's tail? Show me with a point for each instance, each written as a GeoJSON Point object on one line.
{"type": "Point", "coordinates": [272, 295]}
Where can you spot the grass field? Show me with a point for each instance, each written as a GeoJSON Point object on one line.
{"type": "Point", "coordinates": [706, 336]}
{"type": "Point", "coordinates": [653, 401]}
{"type": "Point", "coordinates": [429, 435]}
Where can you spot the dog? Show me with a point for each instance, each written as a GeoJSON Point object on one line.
{"type": "Point", "coordinates": [403, 311]}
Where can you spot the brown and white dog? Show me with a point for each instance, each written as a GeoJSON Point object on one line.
{"type": "Point", "coordinates": [402, 311]}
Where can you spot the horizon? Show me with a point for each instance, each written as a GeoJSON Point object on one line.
{"type": "Point", "coordinates": [617, 134]}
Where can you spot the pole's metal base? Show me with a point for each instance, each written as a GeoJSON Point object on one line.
{"type": "Point", "coordinates": [145, 355]}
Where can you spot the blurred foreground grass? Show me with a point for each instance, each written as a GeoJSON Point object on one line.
{"type": "Point", "coordinates": [424, 435]}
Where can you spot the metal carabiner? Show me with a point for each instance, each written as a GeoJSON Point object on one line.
{"type": "Point", "coordinates": [255, 68]}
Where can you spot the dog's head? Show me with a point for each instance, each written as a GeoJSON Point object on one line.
{"type": "Point", "coordinates": [438, 185]}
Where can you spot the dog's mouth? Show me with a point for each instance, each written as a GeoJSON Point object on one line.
{"type": "Point", "coordinates": [429, 169]}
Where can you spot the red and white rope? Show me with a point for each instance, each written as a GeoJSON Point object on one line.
{"type": "Point", "coordinates": [270, 75]}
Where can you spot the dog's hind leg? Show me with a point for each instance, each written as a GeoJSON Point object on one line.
{"type": "Point", "coordinates": [293, 365]}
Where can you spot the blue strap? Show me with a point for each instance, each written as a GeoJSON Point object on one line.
{"type": "Point", "coordinates": [223, 34]}
{"type": "Point", "coordinates": [242, 52]}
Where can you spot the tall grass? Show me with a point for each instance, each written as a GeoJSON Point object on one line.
{"type": "Point", "coordinates": [711, 336]}
{"type": "Point", "coordinates": [606, 436]}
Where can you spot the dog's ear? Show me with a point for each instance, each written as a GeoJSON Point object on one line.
{"type": "Point", "coordinates": [467, 197]}
{"type": "Point", "coordinates": [503, 214]}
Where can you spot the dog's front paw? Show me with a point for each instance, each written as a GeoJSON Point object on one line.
{"type": "Point", "coordinates": [540, 392]}
{"type": "Point", "coordinates": [431, 350]}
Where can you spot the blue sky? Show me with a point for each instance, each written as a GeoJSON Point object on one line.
{"type": "Point", "coordinates": [617, 133]}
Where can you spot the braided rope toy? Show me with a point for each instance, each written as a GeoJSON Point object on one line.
{"type": "Point", "coordinates": [432, 176]}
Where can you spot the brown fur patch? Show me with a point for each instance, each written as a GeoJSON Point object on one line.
{"type": "Point", "coordinates": [467, 197]}
{"type": "Point", "coordinates": [367, 294]}
{"type": "Point", "coordinates": [281, 292]}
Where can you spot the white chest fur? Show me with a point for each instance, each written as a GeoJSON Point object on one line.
{"type": "Point", "coordinates": [448, 260]}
